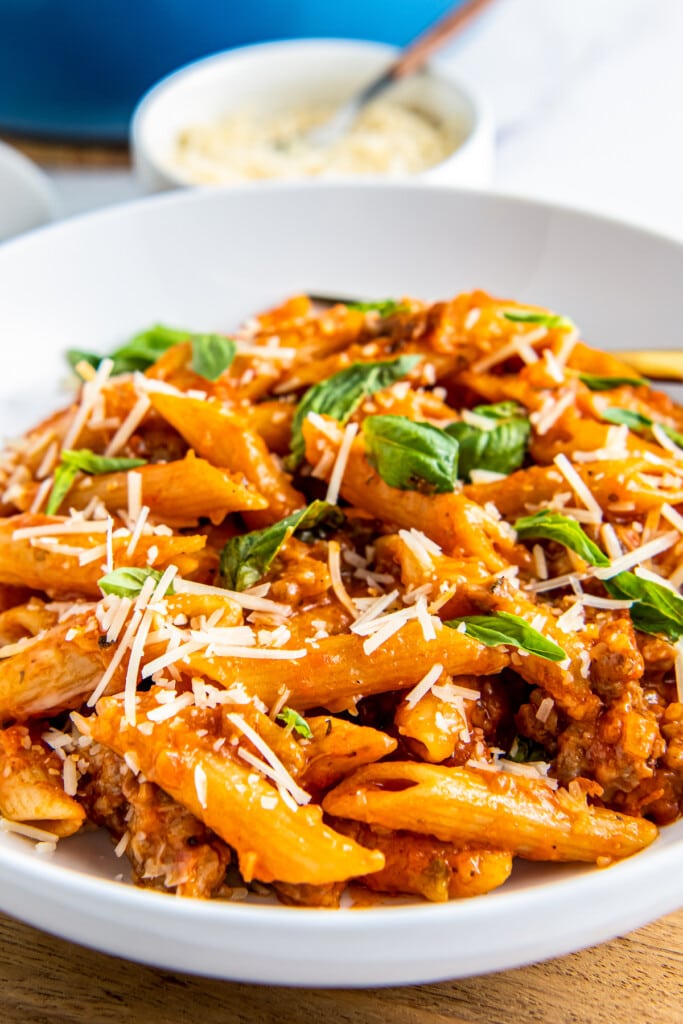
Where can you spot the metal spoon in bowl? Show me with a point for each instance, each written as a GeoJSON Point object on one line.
{"type": "Point", "coordinates": [411, 59]}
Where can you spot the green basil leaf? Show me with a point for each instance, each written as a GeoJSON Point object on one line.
{"type": "Point", "coordinates": [502, 449]}
{"type": "Point", "coordinates": [385, 307]}
{"type": "Point", "coordinates": [137, 354]}
{"type": "Point", "coordinates": [212, 354]}
{"type": "Point", "coordinates": [504, 628]}
{"type": "Point", "coordinates": [82, 461]}
{"type": "Point", "coordinates": [85, 461]}
{"type": "Point", "coordinates": [340, 395]}
{"type": "Point", "coordinates": [597, 383]}
{"type": "Point", "coordinates": [410, 455]}
{"type": "Point", "coordinates": [524, 750]}
{"type": "Point", "coordinates": [129, 581]}
{"type": "Point", "coordinates": [628, 417]}
{"type": "Point", "coordinates": [501, 411]}
{"type": "Point", "coordinates": [656, 609]}
{"type": "Point", "coordinates": [209, 351]}
{"type": "Point", "coordinates": [64, 477]}
{"type": "Point", "coordinates": [78, 355]}
{"type": "Point", "coordinates": [636, 421]}
{"type": "Point", "coordinates": [245, 559]}
{"type": "Point", "coordinates": [296, 722]}
{"type": "Point", "coordinates": [530, 316]}
{"type": "Point", "coordinates": [547, 525]}
{"type": "Point", "coordinates": [674, 435]}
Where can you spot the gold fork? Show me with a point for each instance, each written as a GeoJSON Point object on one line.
{"type": "Point", "coordinates": [660, 364]}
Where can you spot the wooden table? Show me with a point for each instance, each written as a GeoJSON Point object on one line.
{"type": "Point", "coordinates": [637, 979]}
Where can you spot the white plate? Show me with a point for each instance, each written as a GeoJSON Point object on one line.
{"type": "Point", "coordinates": [208, 259]}
{"type": "Point", "coordinates": [26, 197]}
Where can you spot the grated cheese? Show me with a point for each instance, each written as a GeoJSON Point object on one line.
{"type": "Point", "coordinates": [334, 565]}
{"type": "Point", "coordinates": [550, 412]}
{"type": "Point", "coordinates": [544, 709]}
{"type": "Point", "coordinates": [672, 516]}
{"type": "Point", "coordinates": [512, 348]}
{"type": "Point", "coordinates": [244, 599]}
{"type": "Point", "coordinates": [90, 393]}
{"type": "Point", "coordinates": [577, 485]}
{"type": "Point", "coordinates": [129, 426]}
{"type": "Point", "coordinates": [572, 620]}
{"type": "Point", "coordinates": [337, 476]}
{"type": "Point", "coordinates": [640, 554]}
{"type": "Point", "coordinates": [665, 441]}
{"type": "Point", "coordinates": [122, 845]}
{"type": "Point", "coordinates": [540, 562]}
{"type": "Point", "coordinates": [29, 831]}
{"type": "Point", "coordinates": [68, 526]}
{"type": "Point", "coordinates": [281, 775]}
{"type": "Point", "coordinates": [678, 647]}
{"type": "Point", "coordinates": [171, 708]}
{"type": "Point", "coordinates": [423, 686]}
{"type": "Point", "coordinates": [40, 496]}
{"type": "Point", "coordinates": [200, 785]}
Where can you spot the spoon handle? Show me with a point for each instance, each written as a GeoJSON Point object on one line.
{"type": "Point", "coordinates": [417, 52]}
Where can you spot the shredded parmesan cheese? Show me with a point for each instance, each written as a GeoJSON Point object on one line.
{"type": "Point", "coordinates": [424, 686]}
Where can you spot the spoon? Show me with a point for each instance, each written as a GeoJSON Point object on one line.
{"type": "Point", "coordinates": [411, 59]}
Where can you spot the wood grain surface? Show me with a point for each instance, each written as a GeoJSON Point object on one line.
{"type": "Point", "coordinates": [637, 979]}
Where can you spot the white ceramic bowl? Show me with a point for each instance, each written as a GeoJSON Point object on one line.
{"type": "Point", "coordinates": [209, 258]}
{"type": "Point", "coordinates": [273, 78]}
{"type": "Point", "coordinates": [26, 197]}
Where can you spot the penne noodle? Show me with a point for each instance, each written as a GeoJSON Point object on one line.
{"type": "Point", "coordinates": [31, 787]}
{"type": "Point", "coordinates": [241, 806]}
{"type": "Point", "coordinates": [465, 805]}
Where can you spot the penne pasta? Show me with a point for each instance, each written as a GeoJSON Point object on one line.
{"type": "Point", "coordinates": [241, 806]}
{"type": "Point", "coordinates": [384, 593]}
{"type": "Point", "coordinates": [464, 805]}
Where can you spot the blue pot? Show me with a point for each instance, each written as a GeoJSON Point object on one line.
{"type": "Point", "coordinates": [75, 68]}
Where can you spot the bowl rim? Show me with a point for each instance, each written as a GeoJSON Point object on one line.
{"type": "Point", "coordinates": [605, 888]}
{"type": "Point", "coordinates": [481, 120]}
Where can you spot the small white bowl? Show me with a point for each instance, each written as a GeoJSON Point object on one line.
{"type": "Point", "coordinates": [274, 78]}
{"type": "Point", "coordinates": [26, 197]}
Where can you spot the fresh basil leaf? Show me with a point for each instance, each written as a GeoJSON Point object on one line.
{"type": "Point", "coordinates": [628, 417]}
{"type": "Point", "coordinates": [547, 525]}
{"type": "Point", "coordinates": [64, 477]}
{"type": "Point", "coordinates": [501, 411]}
{"type": "Point", "coordinates": [504, 628]}
{"type": "Point", "coordinates": [245, 559]}
{"type": "Point", "coordinates": [340, 395]}
{"type": "Point", "coordinates": [636, 421]}
{"type": "Point", "coordinates": [212, 354]}
{"type": "Point", "coordinates": [82, 461]}
{"type": "Point", "coordinates": [656, 609]}
{"type": "Point", "coordinates": [85, 461]}
{"type": "Point", "coordinates": [410, 455]}
{"type": "Point", "coordinates": [293, 720]}
{"type": "Point", "coordinates": [523, 750]}
{"type": "Point", "coordinates": [597, 383]}
{"type": "Point", "coordinates": [502, 449]}
{"type": "Point", "coordinates": [385, 307]}
{"type": "Point", "coordinates": [530, 316]}
{"type": "Point", "coordinates": [129, 581]}
{"type": "Point", "coordinates": [78, 355]}
{"type": "Point", "coordinates": [137, 354]}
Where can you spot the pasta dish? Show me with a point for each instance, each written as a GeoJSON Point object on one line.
{"type": "Point", "coordinates": [374, 597]}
